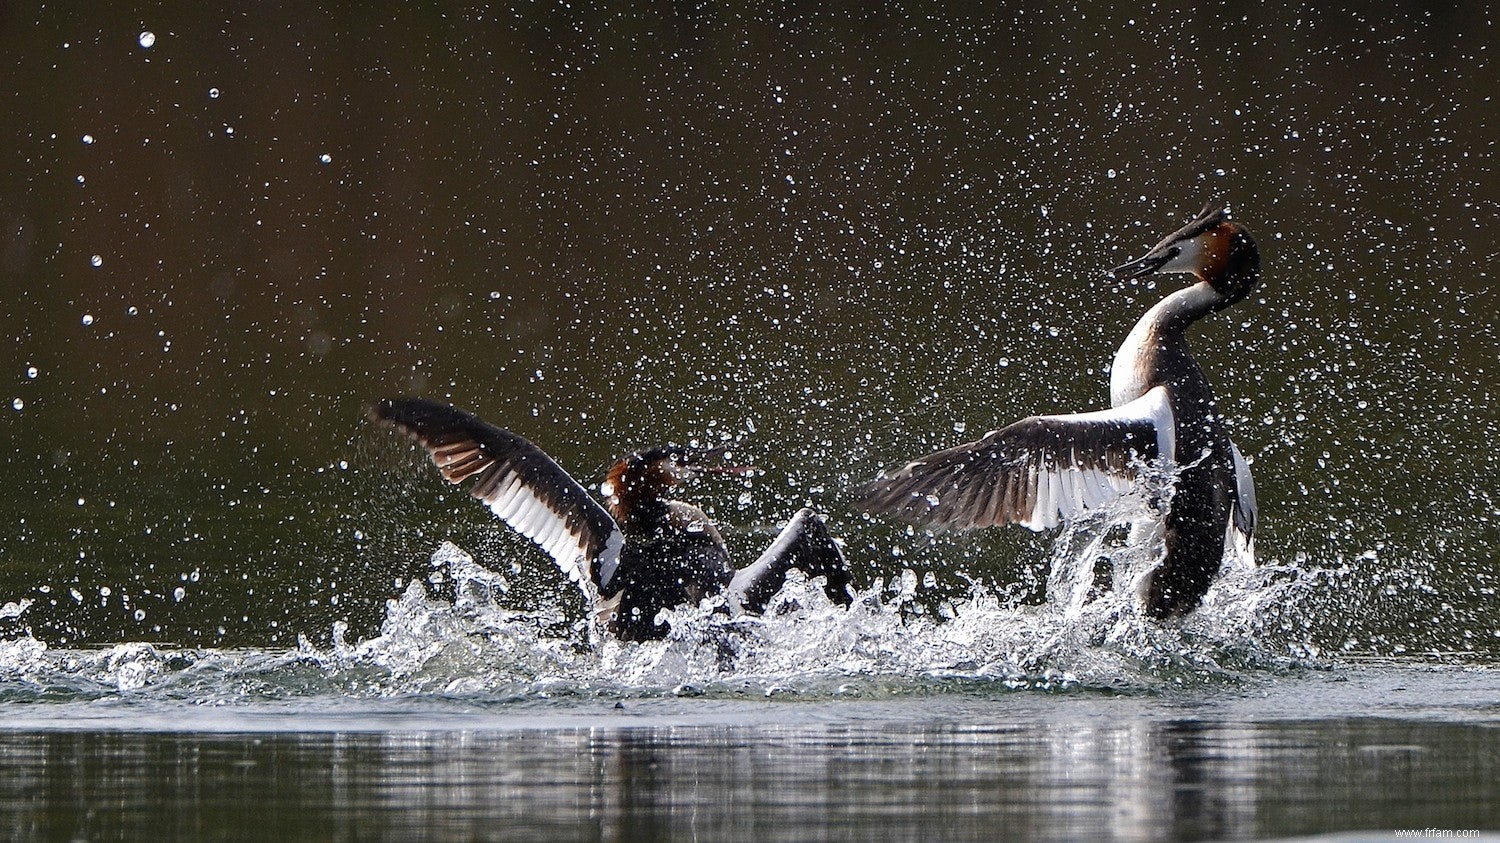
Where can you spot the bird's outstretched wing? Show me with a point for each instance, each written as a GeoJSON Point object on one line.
{"type": "Point", "coordinates": [805, 544]}
{"type": "Point", "coordinates": [519, 483]}
{"type": "Point", "coordinates": [1035, 472]}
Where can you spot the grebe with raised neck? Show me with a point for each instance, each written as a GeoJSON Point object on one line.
{"type": "Point", "coordinates": [641, 551]}
{"type": "Point", "coordinates": [1045, 469]}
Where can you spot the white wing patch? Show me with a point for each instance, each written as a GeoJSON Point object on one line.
{"type": "Point", "coordinates": [523, 486]}
{"type": "Point", "coordinates": [517, 505]}
{"type": "Point", "coordinates": [1072, 482]}
{"type": "Point", "coordinates": [1038, 472]}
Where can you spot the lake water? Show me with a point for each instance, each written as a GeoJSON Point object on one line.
{"type": "Point", "coordinates": [1369, 750]}
{"type": "Point", "coordinates": [843, 237]}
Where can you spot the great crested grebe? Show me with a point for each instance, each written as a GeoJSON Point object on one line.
{"type": "Point", "coordinates": [640, 553]}
{"type": "Point", "coordinates": [1046, 468]}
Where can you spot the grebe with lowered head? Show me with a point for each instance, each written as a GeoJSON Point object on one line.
{"type": "Point", "coordinates": [1044, 469]}
{"type": "Point", "coordinates": [640, 553]}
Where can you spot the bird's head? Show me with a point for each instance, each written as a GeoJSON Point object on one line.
{"type": "Point", "coordinates": [1211, 247]}
{"type": "Point", "coordinates": [648, 475]}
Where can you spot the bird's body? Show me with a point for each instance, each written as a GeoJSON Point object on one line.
{"type": "Point", "coordinates": [641, 551]}
{"type": "Point", "coordinates": [1043, 469]}
{"type": "Point", "coordinates": [673, 553]}
{"type": "Point", "coordinates": [1156, 355]}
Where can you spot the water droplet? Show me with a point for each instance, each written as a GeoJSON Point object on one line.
{"type": "Point", "coordinates": [148, 38]}
{"type": "Point", "coordinates": [88, 319]}
{"type": "Point", "coordinates": [213, 93]}
{"type": "Point", "coordinates": [88, 138]}
{"type": "Point", "coordinates": [326, 158]}
{"type": "Point", "coordinates": [1110, 173]}
{"type": "Point", "coordinates": [31, 371]}
{"type": "Point", "coordinates": [132, 311]}
{"type": "Point", "coordinates": [96, 260]}
{"type": "Point", "coordinates": [140, 614]}
{"type": "Point", "coordinates": [18, 404]}
{"type": "Point", "coordinates": [178, 593]}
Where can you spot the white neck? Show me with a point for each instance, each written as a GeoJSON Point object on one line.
{"type": "Point", "coordinates": [1131, 375]}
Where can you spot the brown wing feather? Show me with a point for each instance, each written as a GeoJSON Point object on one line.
{"type": "Point", "coordinates": [1028, 473]}
{"type": "Point", "coordinates": [520, 483]}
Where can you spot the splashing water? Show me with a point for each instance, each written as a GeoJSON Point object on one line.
{"type": "Point", "coordinates": [1088, 636]}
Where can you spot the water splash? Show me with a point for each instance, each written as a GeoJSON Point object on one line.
{"type": "Point", "coordinates": [889, 642]}
{"type": "Point", "coordinates": [1086, 636]}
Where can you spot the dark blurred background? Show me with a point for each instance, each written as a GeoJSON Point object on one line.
{"type": "Point", "coordinates": [844, 236]}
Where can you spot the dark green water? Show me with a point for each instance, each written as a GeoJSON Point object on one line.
{"type": "Point", "coordinates": [845, 236]}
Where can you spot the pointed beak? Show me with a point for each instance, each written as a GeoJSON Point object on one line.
{"type": "Point", "coordinates": [732, 470]}
{"type": "Point", "coordinates": [702, 462]}
{"type": "Point", "coordinates": [1144, 265]}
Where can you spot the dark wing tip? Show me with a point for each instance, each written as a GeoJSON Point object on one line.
{"type": "Point", "coordinates": [419, 416]}
{"type": "Point", "coordinates": [382, 411]}
{"type": "Point", "coordinates": [865, 495]}
{"type": "Point", "coordinates": [899, 496]}
{"type": "Point", "coordinates": [877, 496]}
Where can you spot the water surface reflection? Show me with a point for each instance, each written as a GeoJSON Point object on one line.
{"type": "Point", "coordinates": [1058, 778]}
